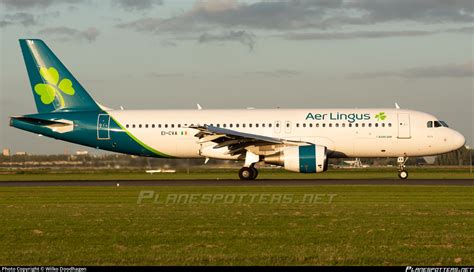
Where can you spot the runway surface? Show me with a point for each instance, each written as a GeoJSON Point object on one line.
{"type": "Point", "coordinates": [261, 182]}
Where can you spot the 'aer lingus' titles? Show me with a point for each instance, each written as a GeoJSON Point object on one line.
{"type": "Point", "coordinates": [350, 117]}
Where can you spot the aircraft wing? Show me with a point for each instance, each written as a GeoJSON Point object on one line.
{"type": "Point", "coordinates": [236, 141]}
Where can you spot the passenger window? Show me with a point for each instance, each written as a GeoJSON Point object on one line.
{"type": "Point", "coordinates": [297, 124]}
{"type": "Point", "coordinates": [224, 125]}
{"type": "Point", "coordinates": [376, 124]}
{"type": "Point", "coordinates": [383, 124]}
{"type": "Point", "coordinates": [263, 125]}
{"type": "Point", "coordinates": [311, 125]}
{"type": "Point", "coordinates": [126, 126]}
{"type": "Point", "coordinates": [337, 124]}
{"type": "Point", "coordinates": [250, 125]}
{"type": "Point", "coordinates": [146, 126]}
{"type": "Point", "coordinates": [231, 125]}
{"type": "Point", "coordinates": [350, 124]}
{"type": "Point", "coordinates": [278, 124]}
{"type": "Point", "coordinates": [133, 125]}
{"type": "Point", "coordinates": [357, 125]}
{"type": "Point", "coordinates": [324, 125]}
{"type": "Point", "coordinates": [140, 126]}
{"type": "Point", "coordinates": [317, 125]}
{"type": "Point", "coordinates": [389, 124]}
{"type": "Point", "coordinates": [243, 125]}
{"type": "Point", "coordinates": [166, 125]}
{"type": "Point", "coordinates": [236, 125]}
{"type": "Point", "coordinates": [304, 125]}
{"type": "Point", "coordinates": [270, 125]}
{"type": "Point", "coordinates": [256, 125]}
{"type": "Point", "coordinates": [343, 124]}
{"type": "Point", "coordinates": [363, 125]}
{"type": "Point", "coordinates": [179, 125]}
{"type": "Point", "coordinates": [370, 124]}
{"type": "Point", "coordinates": [153, 126]}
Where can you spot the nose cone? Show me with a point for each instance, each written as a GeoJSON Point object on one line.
{"type": "Point", "coordinates": [457, 140]}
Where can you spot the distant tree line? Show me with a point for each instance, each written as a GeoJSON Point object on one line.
{"type": "Point", "coordinates": [458, 157]}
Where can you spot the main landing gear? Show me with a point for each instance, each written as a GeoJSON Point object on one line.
{"type": "Point", "coordinates": [402, 173]}
{"type": "Point", "coordinates": [248, 173]}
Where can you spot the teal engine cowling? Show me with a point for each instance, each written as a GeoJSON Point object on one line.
{"type": "Point", "coordinates": [303, 159]}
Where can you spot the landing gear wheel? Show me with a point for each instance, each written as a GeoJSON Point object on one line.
{"type": "Point", "coordinates": [403, 174]}
{"type": "Point", "coordinates": [255, 173]}
{"type": "Point", "coordinates": [246, 173]}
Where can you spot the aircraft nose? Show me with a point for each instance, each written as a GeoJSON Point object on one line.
{"type": "Point", "coordinates": [458, 140]}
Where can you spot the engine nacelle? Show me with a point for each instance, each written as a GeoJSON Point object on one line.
{"type": "Point", "coordinates": [303, 159]}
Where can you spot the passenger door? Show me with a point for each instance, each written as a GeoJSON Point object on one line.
{"type": "Point", "coordinates": [103, 127]}
{"type": "Point", "coordinates": [404, 126]}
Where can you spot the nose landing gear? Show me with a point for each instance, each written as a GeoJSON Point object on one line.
{"type": "Point", "coordinates": [402, 173]}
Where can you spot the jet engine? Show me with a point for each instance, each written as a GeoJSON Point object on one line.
{"type": "Point", "coordinates": [303, 159]}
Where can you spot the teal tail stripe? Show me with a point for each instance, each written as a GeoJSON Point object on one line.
{"type": "Point", "coordinates": [142, 144]}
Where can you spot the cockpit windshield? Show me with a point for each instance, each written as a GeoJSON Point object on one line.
{"type": "Point", "coordinates": [436, 124]}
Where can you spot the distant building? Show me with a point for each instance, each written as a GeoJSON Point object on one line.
{"type": "Point", "coordinates": [82, 152]}
{"type": "Point", "coordinates": [21, 153]}
{"type": "Point", "coordinates": [6, 152]}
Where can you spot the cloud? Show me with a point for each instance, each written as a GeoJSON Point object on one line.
{"type": "Point", "coordinates": [449, 70]}
{"type": "Point", "coordinates": [241, 36]}
{"type": "Point", "coordinates": [134, 5]}
{"type": "Point", "coordinates": [168, 43]}
{"type": "Point", "coordinates": [276, 73]}
{"type": "Point", "coordinates": [65, 33]}
{"type": "Point", "coordinates": [433, 11]}
{"type": "Point", "coordinates": [370, 34]}
{"type": "Point", "coordinates": [158, 75]}
{"type": "Point", "coordinates": [301, 14]}
{"type": "Point", "coordinates": [355, 35]}
{"type": "Point", "coordinates": [26, 4]}
{"type": "Point", "coordinates": [22, 18]}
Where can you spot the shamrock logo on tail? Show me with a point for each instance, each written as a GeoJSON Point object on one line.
{"type": "Point", "coordinates": [380, 116]}
{"type": "Point", "coordinates": [48, 91]}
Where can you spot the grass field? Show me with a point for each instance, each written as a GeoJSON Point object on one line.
{"type": "Point", "coordinates": [363, 225]}
{"type": "Point", "coordinates": [371, 173]}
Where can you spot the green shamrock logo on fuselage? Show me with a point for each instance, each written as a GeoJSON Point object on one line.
{"type": "Point", "coordinates": [48, 91]}
{"type": "Point", "coordinates": [380, 116]}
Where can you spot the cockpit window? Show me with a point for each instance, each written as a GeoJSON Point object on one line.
{"type": "Point", "coordinates": [444, 123]}
{"type": "Point", "coordinates": [436, 124]}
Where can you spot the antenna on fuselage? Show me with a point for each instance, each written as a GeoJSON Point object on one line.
{"type": "Point", "coordinates": [397, 106]}
{"type": "Point", "coordinates": [199, 106]}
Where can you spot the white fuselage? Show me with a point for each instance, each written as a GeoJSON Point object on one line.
{"type": "Point", "coordinates": [345, 132]}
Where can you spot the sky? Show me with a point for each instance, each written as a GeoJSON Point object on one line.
{"type": "Point", "coordinates": [163, 54]}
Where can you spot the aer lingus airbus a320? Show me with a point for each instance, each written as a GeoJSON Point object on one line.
{"type": "Point", "coordinates": [299, 140]}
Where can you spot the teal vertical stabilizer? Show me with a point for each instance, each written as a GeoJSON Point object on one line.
{"type": "Point", "coordinates": [54, 87]}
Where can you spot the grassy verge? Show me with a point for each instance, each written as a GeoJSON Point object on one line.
{"type": "Point", "coordinates": [380, 173]}
{"type": "Point", "coordinates": [363, 225]}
